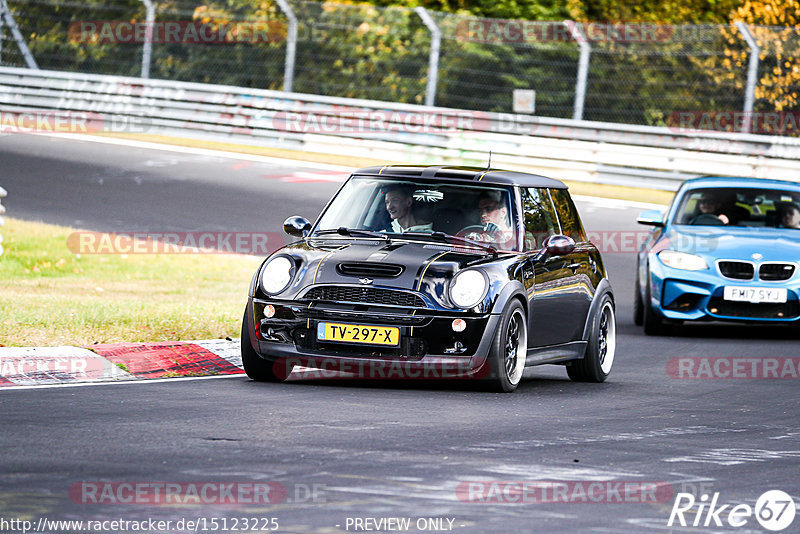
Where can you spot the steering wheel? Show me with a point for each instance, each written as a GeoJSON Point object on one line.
{"type": "Point", "coordinates": [477, 232]}
{"type": "Point", "coordinates": [707, 219]}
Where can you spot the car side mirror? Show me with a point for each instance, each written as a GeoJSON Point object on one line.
{"type": "Point", "coordinates": [651, 218]}
{"type": "Point", "coordinates": [297, 226]}
{"type": "Point", "coordinates": [559, 245]}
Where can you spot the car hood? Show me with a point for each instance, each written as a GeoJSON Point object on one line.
{"type": "Point", "coordinates": [740, 243]}
{"type": "Point", "coordinates": [424, 267]}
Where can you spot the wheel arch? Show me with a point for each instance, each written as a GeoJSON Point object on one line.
{"type": "Point", "coordinates": [603, 288]}
{"type": "Point", "coordinates": [512, 290]}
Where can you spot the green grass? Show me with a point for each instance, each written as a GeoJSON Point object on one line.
{"type": "Point", "coordinates": [50, 296]}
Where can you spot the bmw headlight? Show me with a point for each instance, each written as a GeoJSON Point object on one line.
{"type": "Point", "coordinates": [682, 260]}
{"type": "Point", "coordinates": [277, 274]}
{"type": "Point", "coordinates": [468, 288]}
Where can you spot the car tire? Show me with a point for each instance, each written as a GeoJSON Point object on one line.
{"type": "Point", "coordinates": [653, 324]}
{"type": "Point", "coordinates": [638, 305]}
{"type": "Point", "coordinates": [256, 367]}
{"type": "Point", "coordinates": [602, 347]}
{"type": "Point", "coordinates": [509, 350]}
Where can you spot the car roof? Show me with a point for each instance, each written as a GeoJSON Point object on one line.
{"type": "Point", "coordinates": [740, 181]}
{"type": "Point", "coordinates": [462, 174]}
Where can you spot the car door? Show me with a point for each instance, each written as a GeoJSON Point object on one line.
{"type": "Point", "coordinates": [581, 274]}
{"type": "Point", "coordinates": [550, 300]}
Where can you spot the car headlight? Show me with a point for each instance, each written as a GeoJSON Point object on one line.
{"type": "Point", "coordinates": [468, 288]}
{"type": "Point", "coordinates": [682, 260]}
{"type": "Point", "coordinates": [277, 274]}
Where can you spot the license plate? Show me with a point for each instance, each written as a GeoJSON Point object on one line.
{"type": "Point", "coordinates": [755, 294]}
{"type": "Point", "coordinates": [356, 333]}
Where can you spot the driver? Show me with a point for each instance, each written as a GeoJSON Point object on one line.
{"type": "Point", "coordinates": [494, 217]}
{"type": "Point", "coordinates": [399, 201]}
{"type": "Point", "coordinates": [709, 207]}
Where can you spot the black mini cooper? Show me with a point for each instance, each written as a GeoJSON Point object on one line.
{"type": "Point", "coordinates": [434, 272]}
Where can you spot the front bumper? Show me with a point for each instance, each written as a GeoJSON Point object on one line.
{"type": "Point", "coordinates": [698, 296]}
{"type": "Point", "coordinates": [428, 345]}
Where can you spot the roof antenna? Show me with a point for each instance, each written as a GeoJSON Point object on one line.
{"type": "Point", "coordinates": [490, 161]}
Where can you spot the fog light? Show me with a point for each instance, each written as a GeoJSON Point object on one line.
{"type": "Point", "coordinates": [269, 311]}
{"type": "Point", "coordinates": [459, 325]}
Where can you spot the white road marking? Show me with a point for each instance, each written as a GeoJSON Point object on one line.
{"type": "Point", "coordinates": [287, 162]}
{"type": "Point", "coordinates": [582, 440]}
{"type": "Point", "coordinates": [199, 151]}
{"type": "Point", "coordinates": [735, 456]}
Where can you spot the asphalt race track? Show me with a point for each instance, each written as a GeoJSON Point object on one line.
{"type": "Point", "coordinates": [351, 454]}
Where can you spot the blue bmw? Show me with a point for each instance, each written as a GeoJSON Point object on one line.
{"type": "Point", "coordinates": [727, 249]}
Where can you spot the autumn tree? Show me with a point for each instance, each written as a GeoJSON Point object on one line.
{"type": "Point", "coordinates": [774, 24]}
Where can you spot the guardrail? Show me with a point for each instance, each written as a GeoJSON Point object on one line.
{"type": "Point", "coordinates": [3, 193]}
{"type": "Point", "coordinates": [639, 156]}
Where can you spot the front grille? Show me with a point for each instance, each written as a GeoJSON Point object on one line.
{"type": "Point", "coordinates": [365, 295]}
{"type": "Point", "coordinates": [749, 310]}
{"type": "Point", "coordinates": [776, 271]}
{"type": "Point", "coordinates": [370, 269]}
{"type": "Point", "coordinates": [737, 270]}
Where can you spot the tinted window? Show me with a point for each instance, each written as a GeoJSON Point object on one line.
{"type": "Point", "coordinates": [568, 215]}
{"type": "Point", "coordinates": [540, 220]}
{"type": "Point", "coordinates": [770, 208]}
{"type": "Point", "coordinates": [480, 212]}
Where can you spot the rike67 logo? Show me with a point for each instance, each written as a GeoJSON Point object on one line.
{"type": "Point", "coordinates": [774, 511]}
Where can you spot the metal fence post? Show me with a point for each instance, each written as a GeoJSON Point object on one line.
{"type": "Point", "coordinates": [291, 45]}
{"type": "Point", "coordinates": [2, 211]}
{"type": "Point", "coordinates": [752, 76]}
{"type": "Point", "coordinates": [5, 12]}
{"type": "Point", "coordinates": [2, 18]}
{"type": "Point", "coordinates": [433, 59]}
{"type": "Point", "coordinates": [583, 68]}
{"type": "Point", "coordinates": [147, 47]}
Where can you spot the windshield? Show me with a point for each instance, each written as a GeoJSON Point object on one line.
{"type": "Point", "coordinates": [485, 214]}
{"type": "Point", "coordinates": [745, 207]}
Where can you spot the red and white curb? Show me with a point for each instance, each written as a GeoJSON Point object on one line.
{"type": "Point", "coordinates": [43, 366]}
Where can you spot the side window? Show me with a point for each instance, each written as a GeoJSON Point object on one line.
{"type": "Point", "coordinates": [539, 217]}
{"type": "Point", "coordinates": [568, 215]}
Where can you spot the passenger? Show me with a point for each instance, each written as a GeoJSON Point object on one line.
{"type": "Point", "coordinates": [399, 204]}
{"type": "Point", "coordinates": [790, 217]}
{"type": "Point", "coordinates": [709, 207]}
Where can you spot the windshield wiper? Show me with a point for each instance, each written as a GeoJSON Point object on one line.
{"type": "Point", "coordinates": [449, 238]}
{"type": "Point", "coordinates": [352, 232]}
